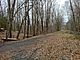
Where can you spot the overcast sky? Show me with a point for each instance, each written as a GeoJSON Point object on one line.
{"type": "Point", "coordinates": [62, 5]}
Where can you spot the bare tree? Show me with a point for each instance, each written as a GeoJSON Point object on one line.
{"type": "Point", "coordinates": [74, 25]}
{"type": "Point", "coordinates": [11, 8]}
{"type": "Point", "coordinates": [1, 11]}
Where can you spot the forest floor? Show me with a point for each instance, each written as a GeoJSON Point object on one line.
{"type": "Point", "coordinates": [55, 46]}
{"type": "Point", "coordinates": [14, 35]}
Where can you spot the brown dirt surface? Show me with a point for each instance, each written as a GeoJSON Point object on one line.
{"type": "Point", "coordinates": [54, 46]}
{"type": "Point", "coordinates": [14, 34]}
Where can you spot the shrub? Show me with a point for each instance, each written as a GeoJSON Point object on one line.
{"type": "Point", "coordinates": [3, 21]}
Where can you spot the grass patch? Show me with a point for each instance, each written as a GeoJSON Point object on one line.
{"type": "Point", "coordinates": [70, 35]}
{"type": "Point", "coordinates": [77, 36]}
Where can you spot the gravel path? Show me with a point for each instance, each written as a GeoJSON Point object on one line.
{"type": "Point", "coordinates": [26, 42]}
{"type": "Point", "coordinates": [55, 46]}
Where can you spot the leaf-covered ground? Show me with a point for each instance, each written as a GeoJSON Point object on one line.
{"type": "Point", "coordinates": [55, 46]}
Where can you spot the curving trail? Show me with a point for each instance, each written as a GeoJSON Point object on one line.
{"type": "Point", "coordinates": [54, 46]}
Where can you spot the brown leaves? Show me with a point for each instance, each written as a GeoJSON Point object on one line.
{"type": "Point", "coordinates": [52, 47]}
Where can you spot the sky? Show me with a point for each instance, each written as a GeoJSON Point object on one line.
{"type": "Point", "coordinates": [61, 3]}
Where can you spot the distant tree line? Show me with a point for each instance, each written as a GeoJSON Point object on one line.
{"type": "Point", "coordinates": [31, 17]}
{"type": "Point", "coordinates": [74, 19]}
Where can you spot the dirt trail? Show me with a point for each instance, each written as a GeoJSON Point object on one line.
{"type": "Point", "coordinates": [55, 46]}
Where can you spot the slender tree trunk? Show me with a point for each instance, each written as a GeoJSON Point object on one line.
{"type": "Point", "coordinates": [20, 29]}
{"type": "Point", "coordinates": [37, 17]}
{"type": "Point", "coordinates": [33, 26]}
{"type": "Point", "coordinates": [25, 20]}
{"type": "Point", "coordinates": [28, 23]}
{"type": "Point", "coordinates": [1, 12]}
{"type": "Point", "coordinates": [42, 15]}
{"type": "Point", "coordinates": [74, 24]}
{"type": "Point", "coordinates": [47, 19]}
{"type": "Point", "coordinates": [10, 15]}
